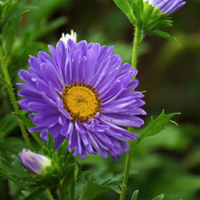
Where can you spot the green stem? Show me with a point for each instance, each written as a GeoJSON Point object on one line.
{"type": "Point", "coordinates": [12, 97]}
{"type": "Point", "coordinates": [136, 43]}
{"type": "Point", "coordinates": [126, 174]}
{"type": "Point", "coordinates": [71, 186]}
{"type": "Point", "coordinates": [60, 190]}
{"type": "Point", "coordinates": [49, 195]}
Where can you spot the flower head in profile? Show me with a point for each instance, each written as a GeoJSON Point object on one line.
{"type": "Point", "coordinates": [167, 6]}
{"type": "Point", "coordinates": [83, 93]}
{"type": "Point", "coordinates": [33, 162]}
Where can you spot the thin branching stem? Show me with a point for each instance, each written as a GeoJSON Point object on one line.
{"type": "Point", "coordinates": [72, 186]}
{"type": "Point", "coordinates": [49, 195]}
{"type": "Point", "coordinates": [136, 43]}
{"type": "Point", "coordinates": [12, 97]}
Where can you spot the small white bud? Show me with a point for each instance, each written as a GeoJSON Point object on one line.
{"type": "Point", "coordinates": [66, 37]}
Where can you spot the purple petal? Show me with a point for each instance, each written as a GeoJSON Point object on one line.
{"type": "Point", "coordinates": [46, 119]}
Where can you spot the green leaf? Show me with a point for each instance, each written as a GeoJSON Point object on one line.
{"type": "Point", "coordinates": [135, 195]}
{"type": "Point", "coordinates": [63, 149]}
{"type": "Point", "coordinates": [114, 185]}
{"type": "Point", "coordinates": [123, 5]}
{"type": "Point", "coordinates": [48, 148]}
{"type": "Point", "coordinates": [35, 194]}
{"type": "Point", "coordinates": [154, 127]}
{"type": "Point", "coordinates": [23, 119]}
{"type": "Point", "coordinates": [13, 171]}
{"type": "Point", "coordinates": [0, 10]}
{"type": "Point", "coordinates": [160, 197]}
{"type": "Point", "coordinates": [119, 4]}
{"type": "Point", "coordinates": [3, 81]}
{"type": "Point", "coordinates": [126, 7]}
{"type": "Point", "coordinates": [9, 33]}
{"type": "Point", "coordinates": [77, 170]}
{"type": "Point", "coordinates": [166, 36]}
{"type": "Point", "coordinates": [50, 144]}
{"type": "Point", "coordinates": [7, 8]}
{"type": "Point", "coordinates": [148, 12]}
{"type": "Point", "coordinates": [147, 17]}
{"type": "Point", "coordinates": [156, 12]}
{"type": "Point", "coordinates": [66, 181]}
{"type": "Point", "coordinates": [156, 24]}
{"type": "Point", "coordinates": [13, 168]}
{"type": "Point", "coordinates": [137, 13]}
{"type": "Point", "coordinates": [28, 123]}
{"type": "Point", "coordinates": [141, 4]}
{"type": "Point", "coordinates": [7, 124]}
{"type": "Point", "coordinates": [48, 28]}
{"type": "Point", "coordinates": [152, 23]}
{"type": "Point", "coordinates": [11, 145]}
{"type": "Point", "coordinates": [9, 176]}
{"type": "Point", "coordinates": [164, 23]}
{"type": "Point", "coordinates": [93, 190]}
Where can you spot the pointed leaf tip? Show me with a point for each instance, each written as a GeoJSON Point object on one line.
{"type": "Point", "coordinates": [159, 197]}
{"type": "Point", "coordinates": [154, 127]}
{"type": "Point", "coordinates": [135, 195]}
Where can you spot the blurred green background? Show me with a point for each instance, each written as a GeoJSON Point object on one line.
{"type": "Point", "coordinates": [167, 163]}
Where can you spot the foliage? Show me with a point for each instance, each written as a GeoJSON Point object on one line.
{"type": "Point", "coordinates": [6, 10]}
{"type": "Point", "coordinates": [142, 14]}
{"type": "Point", "coordinates": [170, 74]}
{"type": "Point", "coordinates": [154, 127]}
{"type": "Point", "coordinates": [135, 196]}
{"type": "Point", "coordinates": [93, 190]}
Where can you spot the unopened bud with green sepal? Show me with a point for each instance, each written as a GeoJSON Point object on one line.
{"type": "Point", "coordinates": [167, 6]}
{"type": "Point", "coordinates": [150, 15]}
{"type": "Point", "coordinates": [49, 166]}
{"type": "Point", "coordinates": [34, 162]}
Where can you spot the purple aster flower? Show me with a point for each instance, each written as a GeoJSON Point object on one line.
{"type": "Point", "coordinates": [167, 6]}
{"type": "Point", "coordinates": [33, 162]}
{"type": "Point", "coordinates": [83, 93]}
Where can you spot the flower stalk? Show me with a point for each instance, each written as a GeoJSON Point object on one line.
{"type": "Point", "coordinates": [126, 174]}
{"type": "Point", "coordinates": [72, 186]}
{"type": "Point", "coordinates": [136, 43]}
{"type": "Point", "coordinates": [12, 97]}
{"type": "Point", "coordinates": [49, 195]}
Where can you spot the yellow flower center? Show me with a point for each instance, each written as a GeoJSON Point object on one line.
{"type": "Point", "coordinates": [81, 101]}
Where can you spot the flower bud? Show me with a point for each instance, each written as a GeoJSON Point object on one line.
{"type": "Point", "coordinates": [33, 162]}
{"type": "Point", "coordinates": [151, 15]}
{"type": "Point", "coordinates": [167, 6]}
{"type": "Point", "coordinates": [71, 36]}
